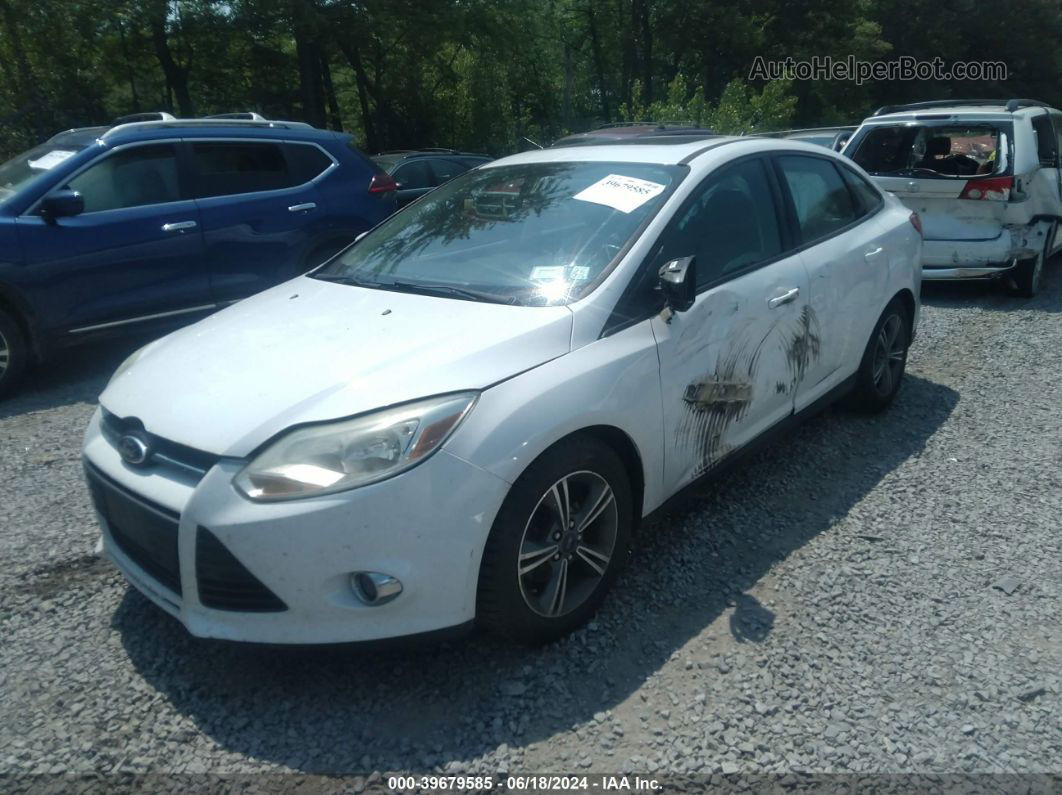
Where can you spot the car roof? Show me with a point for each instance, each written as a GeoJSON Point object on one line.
{"type": "Point", "coordinates": [390, 158]}
{"type": "Point", "coordinates": [666, 150]}
{"type": "Point", "coordinates": [981, 109]}
{"type": "Point", "coordinates": [191, 128]}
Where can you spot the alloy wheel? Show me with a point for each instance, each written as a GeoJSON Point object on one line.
{"type": "Point", "coordinates": [567, 544]}
{"type": "Point", "coordinates": [890, 354]}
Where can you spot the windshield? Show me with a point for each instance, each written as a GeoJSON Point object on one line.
{"type": "Point", "coordinates": [27, 166]}
{"type": "Point", "coordinates": [533, 234]}
{"type": "Point", "coordinates": [933, 151]}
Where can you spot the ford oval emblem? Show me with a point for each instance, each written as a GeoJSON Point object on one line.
{"type": "Point", "coordinates": [133, 449]}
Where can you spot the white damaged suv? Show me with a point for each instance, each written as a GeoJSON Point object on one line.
{"type": "Point", "coordinates": [984, 177]}
{"type": "Point", "coordinates": [463, 416]}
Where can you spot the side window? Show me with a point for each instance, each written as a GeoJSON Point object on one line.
{"type": "Point", "coordinates": [730, 224]}
{"type": "Point", "coordinates": [1045, 140]}
{"type": "Point", "coordinates": [130, 178]}
{"type": "Point", "coordinates": [446, 170]}
{"type": "Point", "coordinates": [822, 202]}
{"type": "Point", "coordinates": [414, 174]}
{"type": "Point", "coordinates": [306, 162]}
{"type": "Point", "coordinates": [1056, 119]}
{"type": "Point", "coordinates": [228, 168]}
{"type": "Point", "coordinates": [867, 197]}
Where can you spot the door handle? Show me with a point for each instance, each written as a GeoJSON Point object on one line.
{"type": "Point", "coordinates": [785, 298]}
{"type": "Point", "coordinates": [295, 208]}
{"type": "Point", "coordinates": [869, 255]}
{"type": "Point", "coordinates": [179, 226]}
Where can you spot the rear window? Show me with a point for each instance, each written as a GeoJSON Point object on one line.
{"type": "Point", "coordinates": [933, 150]}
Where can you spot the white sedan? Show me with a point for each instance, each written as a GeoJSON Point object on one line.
{"type": "Point", "coordinates": [461, 418]}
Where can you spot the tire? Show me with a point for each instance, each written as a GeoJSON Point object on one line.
{"type": "Point", "coordinates": [1028, 274]}
{"type": "Point", "coordinates": [14, 353]}
{"type": "Point", "coordinates": [566, 573]}
{"type": "Point", "coordinates": [884, 361]}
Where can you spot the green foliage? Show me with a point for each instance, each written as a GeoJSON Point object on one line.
{"type": "Point", "coordinates": [488, 74]}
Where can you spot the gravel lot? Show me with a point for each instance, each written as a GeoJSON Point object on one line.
{"type": "Point", "coordinates": [828, 607]}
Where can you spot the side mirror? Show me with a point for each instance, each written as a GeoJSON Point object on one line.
{"type": "Point", "coordinates": [678, 282]}
{"type": "Point", "coordinates": [62, 204]}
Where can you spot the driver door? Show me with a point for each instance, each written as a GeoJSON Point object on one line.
{"type": "Point", "coordinates": [731, 364]}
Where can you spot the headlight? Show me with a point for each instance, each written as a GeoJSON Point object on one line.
{"type": "Point", "coordinates": [335, 456]}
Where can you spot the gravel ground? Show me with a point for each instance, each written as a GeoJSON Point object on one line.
{"type": "Point", "coordinates": [829, 607]}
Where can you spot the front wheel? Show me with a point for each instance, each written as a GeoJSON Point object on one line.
{"type": "Point", "coordinates": [14, 353]}
{"type": "Point", "coordinates": [557, 544]}
{"type": "Point", "coordinates": [884, 361]}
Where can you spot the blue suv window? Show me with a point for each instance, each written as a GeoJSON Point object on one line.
{"type": "Point", "coordinates": [130, 178]}
{"type": "Point", "coordinates": [228, 168]}
{"type": "Point", "coordinates": [306, 162]}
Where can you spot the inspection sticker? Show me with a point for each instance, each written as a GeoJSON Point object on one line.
{"type": "Point", "coordinates": [547, 273]}
{"type": "Point", "coordinates": [50, 160]}
{"type": "Point", "coordinates": [620, 192]}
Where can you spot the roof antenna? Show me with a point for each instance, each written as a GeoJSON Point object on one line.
{"type": "Point", "coordinates": [533, 143]}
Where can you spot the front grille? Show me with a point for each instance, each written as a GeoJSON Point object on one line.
{"type": "Point", "coordinates": [163, 452]}
{"type": "Point", "coordinates": [225, 583]}
{"type": "Point", "coordinates": [144, 531]}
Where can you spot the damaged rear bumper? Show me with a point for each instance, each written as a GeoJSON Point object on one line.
{"type": "Point", "coordinates": [979, 259]}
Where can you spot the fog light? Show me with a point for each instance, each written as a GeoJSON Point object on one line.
{"type": "Point", "coordinates": [375, 588]}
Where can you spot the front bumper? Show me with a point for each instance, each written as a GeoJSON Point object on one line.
{"type": "Point", "coordinates": [426, 526]}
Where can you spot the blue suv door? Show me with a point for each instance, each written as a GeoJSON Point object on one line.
{"type": "Point", "coordinates": [261, 212]}
{"type": "Point", "coordinates": [133, 254]}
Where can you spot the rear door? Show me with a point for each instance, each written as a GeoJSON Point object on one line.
{"type": "Point", "coordinates": [840, 246]}
{"type": "Point", "coordinates": [956, 175]}
{"type": "Point", "coordinates": [731, 364]}
{"type": "Point", "coordinates": [134, 254]}
{"type": "Point", "coordinates": [260, 216]}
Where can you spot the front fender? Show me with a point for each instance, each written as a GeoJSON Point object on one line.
{"type": "Point", "coordinates": [614, 382]}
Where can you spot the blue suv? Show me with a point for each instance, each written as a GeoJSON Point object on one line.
{"type": "Point", "coordinates": [147, 224]}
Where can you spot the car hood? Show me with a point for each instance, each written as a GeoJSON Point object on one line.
{"type": "Point", "coordinates": [309, 350]}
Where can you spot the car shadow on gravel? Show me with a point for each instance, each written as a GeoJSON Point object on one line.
{"type": "Point", "coordinates": [342, 710]}
{"type": "Point", "coordinates": [74, 375]}
{"type": "Point", "coordinates": [992, 296]}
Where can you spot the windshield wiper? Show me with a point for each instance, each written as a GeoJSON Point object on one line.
{"type": "Point", "coordinates": [343, 278]}
{"type": "Point", "coordinates": [418, 287]}
{"type": "Point", "coordinates": [450, 290]}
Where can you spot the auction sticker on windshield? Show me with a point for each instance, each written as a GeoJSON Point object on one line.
{"type": "Point", "coordinates": [50, 160]}
{"type": "Point", "coordinates": [620, 193]}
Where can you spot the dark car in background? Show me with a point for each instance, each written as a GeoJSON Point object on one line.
{"type": "Point", "coordinates": [417, 171]}
{"type": "Point", "coordinates": [831, 137]}
{"type": "Point", "coordinates": [152, 223]}
{"type": "Point", "coordinates": [627, 131]}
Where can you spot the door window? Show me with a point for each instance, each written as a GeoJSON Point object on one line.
{"type": "Point", "coordinates": [1045, 140]}
{"type": "Point", "coordinates": [414, 175]}
{"type": "Point", "coordinates": [867, 197]}
{"type": "Point", "coordinates": [730, 225]}
{"type": "Point", "coordinates": [229, 168]}
{"type": "Point", "coordinates": [822, 203]}
{"type": "Point", "coordinates": [446, 170]}
{"type": "Point", "coordinates": [306, 162]}
{"type": "Point", "coordinates": [130, 178]}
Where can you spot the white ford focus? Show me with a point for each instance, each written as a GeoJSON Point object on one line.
{"type": "Point", "coordinates": [463, 416]}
